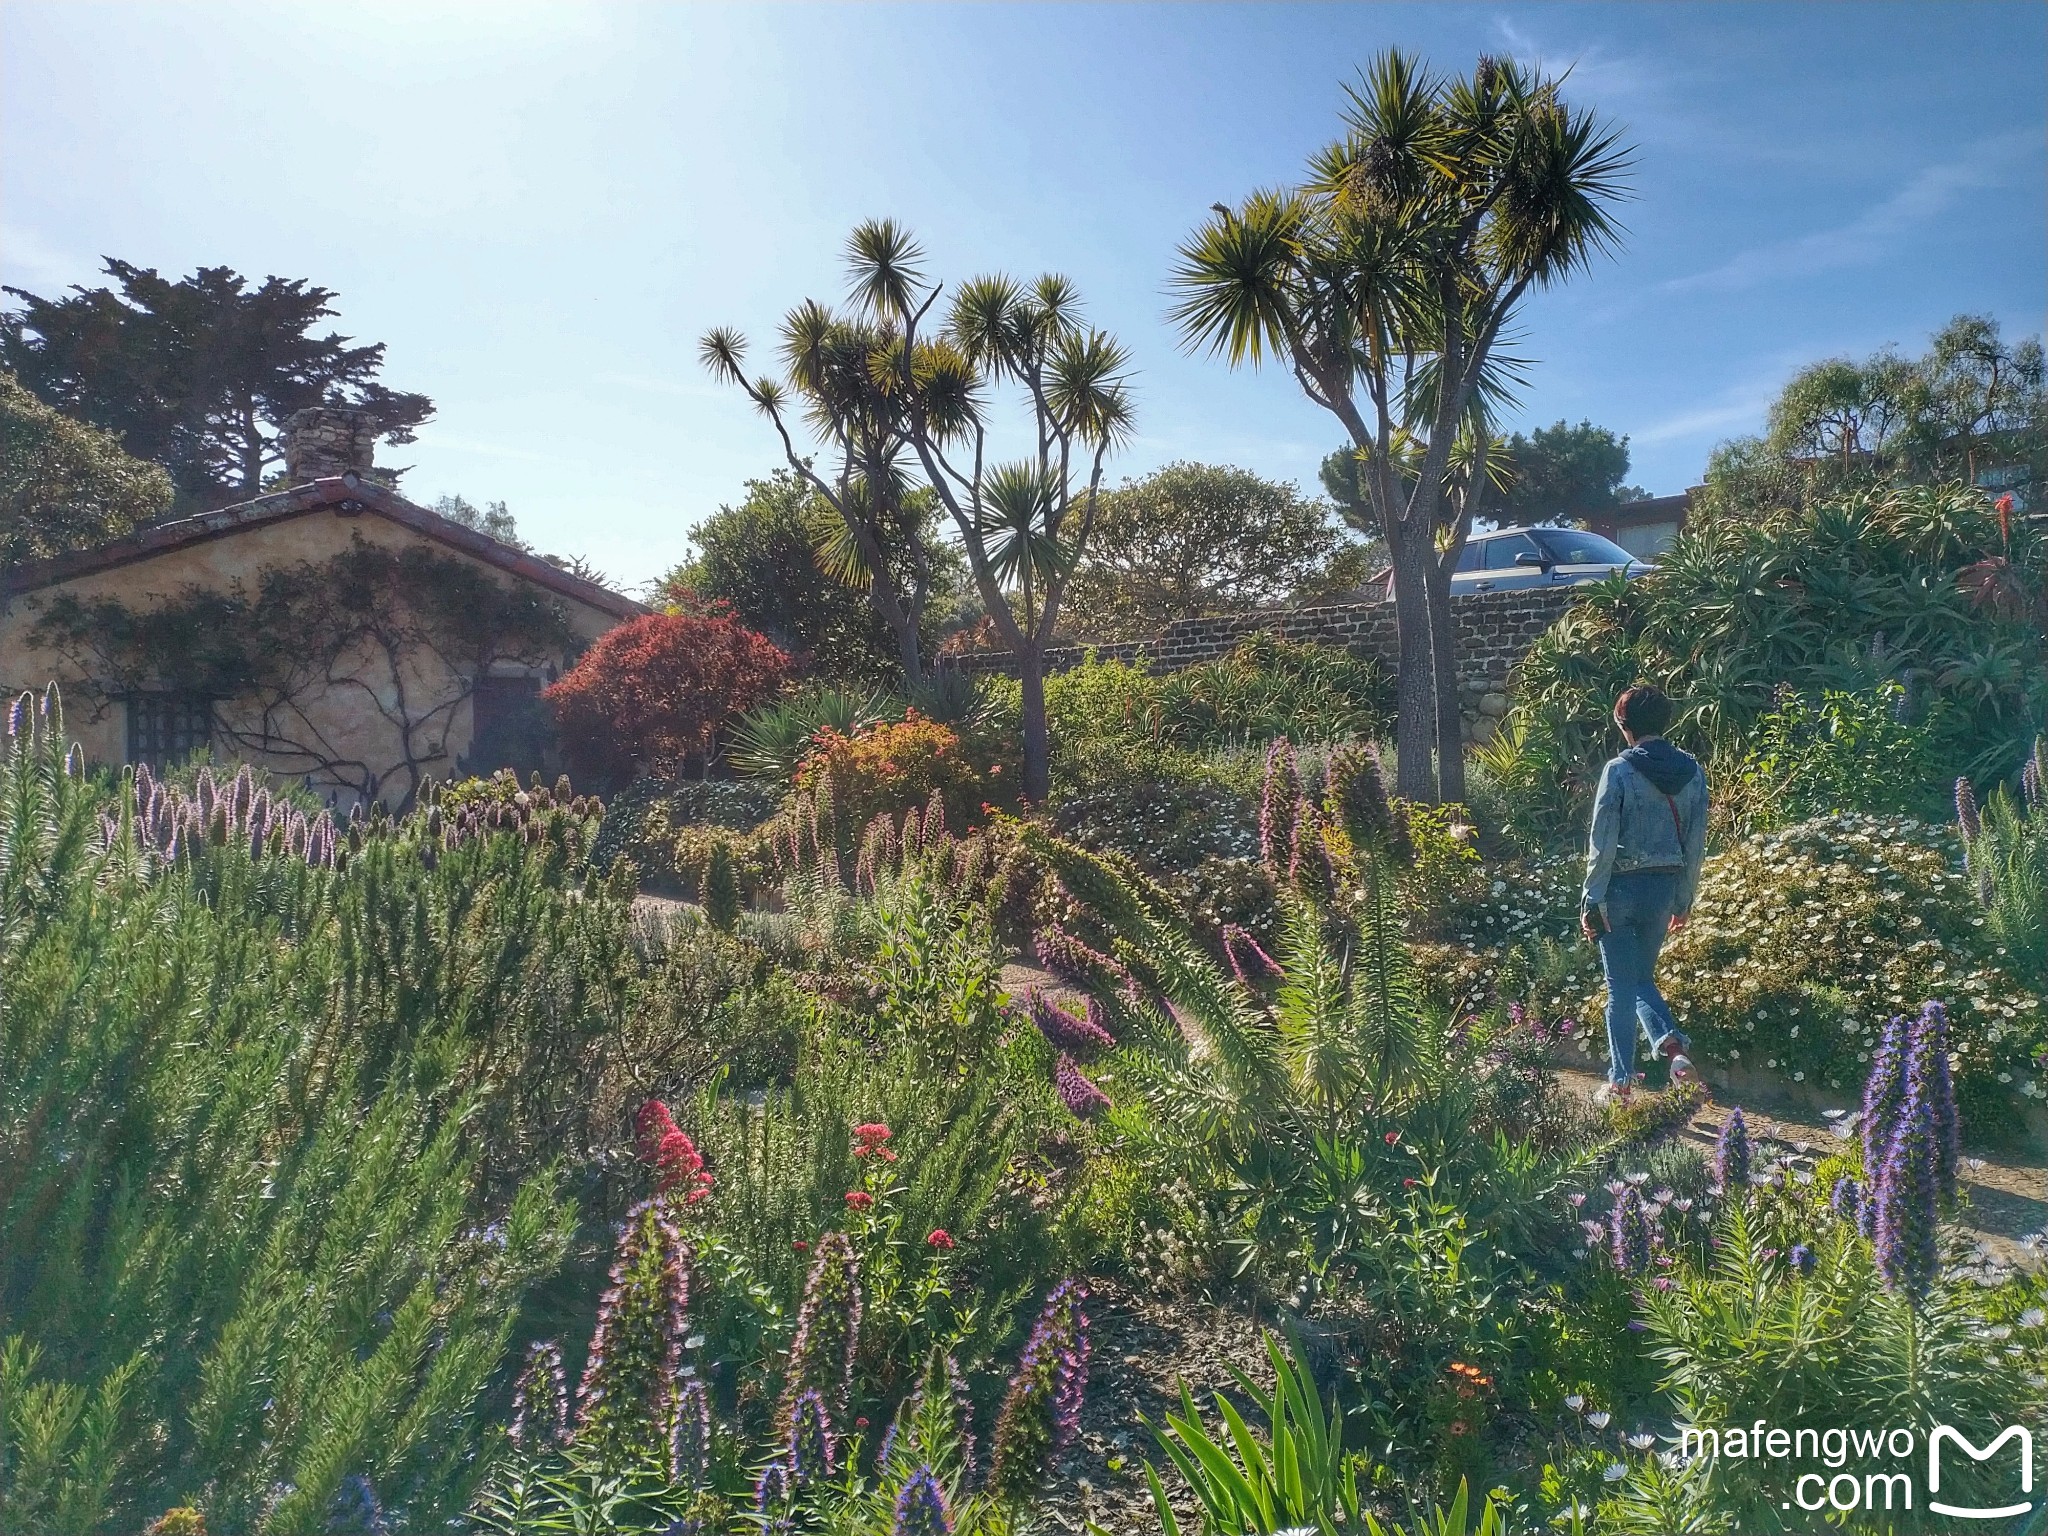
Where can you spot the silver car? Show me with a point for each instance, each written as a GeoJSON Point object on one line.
{"type": "Point", "coordinates": [1508, 558]}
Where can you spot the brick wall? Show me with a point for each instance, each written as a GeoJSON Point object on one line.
{"type": "Point", "coordinates": [1494, 630]}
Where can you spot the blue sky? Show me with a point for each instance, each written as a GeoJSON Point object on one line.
{"type": "Point", "coordinates": [540, 208]}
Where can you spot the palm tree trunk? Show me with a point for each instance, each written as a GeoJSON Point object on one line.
{"type": "Point", "coordinates": [1414, 693]}
{"type": "Point", "coordinates": [1443, 645]}
{"type": "Point", "coordinates": [908, 653]}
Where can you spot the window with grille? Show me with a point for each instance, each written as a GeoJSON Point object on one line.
{"type": "Point", "coordinates": [166, 728]}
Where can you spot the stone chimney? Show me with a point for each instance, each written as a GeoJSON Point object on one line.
{"type": "Point", "coordinates": [325, 440]}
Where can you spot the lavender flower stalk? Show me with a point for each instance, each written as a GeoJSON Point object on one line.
{"type": "Point", "coordinates": [1083, 1100]}
{"type": "Point", "coordinates": [1846, 1200]}
{"type": "Point", "coordinates": [827, 1327]}
{"type": "Point", "coordinates": [689, 1451]}
{"type": "Point", "coordinates": [1079, 1037]}
{"type": "Point", "coordinates": [1042, 1410]}
{"type": "Point", "coordinates": [1968, 822]}
{"type": "Point", "coordinates": [774, 1490]}
{"type": "Point", "coordinates": [1801, 1259]}
{"type": "Point", "coordinates": [628, 1386]}
{"type": "Point", "coordinates": [1279, 835]}
{"type": "Point", "coordinates": [1246, 955]}
{"type": "Point", "coordinates": [921, 1508]}
{"type": "Point", "coordinates": [1629, 1233]}
{"type": "Point", "coordinates": [1731, 1156]}
{"type": "Point", "coordinates": [1928, 1079]}
{"type": "Point", "coordinates": [1905, 1238]}
{"type": "Point", "coordinates": [540, 1400]}
{"type": "Point", "coordinates": [809, 1450]}
{"type": "Point", "coordinates": [1884, 1095]}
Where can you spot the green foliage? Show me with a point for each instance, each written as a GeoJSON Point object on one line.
{"type": "Point", "coordinates": [761, 557]}
{"type": "Point", "coordinates": [1270, 687]}
{"type": "Point", "coordinates": [198, 373]}
{"type": "Point", "coordinates": [1301, 1478]}
{"type": "Point", "coordinates": [1562, 473]}
{"type": "Point", "coordinates": [1192, 539]}
{"type": "Point", "coordinates": [2008, 859]}
{"type": "Point", "coordinates": [65, 485]}
{"type": "Point", "coordinates": [1842, 752]}
{"type": "Point", "coordinates": [282, 1136]}
{"type": "Point", "coordinates": [772, 739]}
{"type": "Point", "coordinates": [721, 890]}
{"type": "Point", "coordinates": [1742, 1337]}
{"type": "Point", "coordinates": [1843, 595]}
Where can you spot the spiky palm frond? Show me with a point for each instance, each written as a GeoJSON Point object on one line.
{"type": "Point", "coordinates": [885, 269]}
{"type": "Point", "coordinates": [1241, 278]}
{"type": "Point", "coordinates": [1021, 504]}
{"type": "Point", "coordinates": [1087, 388]}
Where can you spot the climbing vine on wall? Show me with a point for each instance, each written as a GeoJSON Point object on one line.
{"type": "Point", "coordinates": [391, 635]}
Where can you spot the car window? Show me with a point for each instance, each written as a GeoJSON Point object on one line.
{"type": "Point", "coordinates": [1501, 553]}
{"type": "Point", "coordinates": [1473, 556]}
{"type": "Point", "coordinates": [1570, 546]}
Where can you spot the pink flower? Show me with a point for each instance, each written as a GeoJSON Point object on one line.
{"type": "Point", "coordinates": [860, 1199]}
{"type": "Point", "coordinates": [941, 1239]}
{"type": "Point", "coordinates": [1391, 1138]}
{"type": "Point", "coordinates": [872, 1140]}
{"type": "Point", "coordinates": [799, 1246]}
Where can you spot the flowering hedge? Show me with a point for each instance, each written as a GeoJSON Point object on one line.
{"type": "Point", "coordinates": [1805, 941]}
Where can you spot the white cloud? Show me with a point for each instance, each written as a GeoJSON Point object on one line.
{"type": "Point", "coordinates": [1699, 421]}
{"type": "Point", "coordinates": [1928, 195]}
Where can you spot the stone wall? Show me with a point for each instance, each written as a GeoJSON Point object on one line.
{"type": "Point", "coordinates": [1494, 631]}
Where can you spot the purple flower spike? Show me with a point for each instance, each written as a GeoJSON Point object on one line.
{"type": "Point", "coordinates": [1083, 1100]}
{"type": "Point", "coordinates": [921, 1508]}
{"type": "Point", "coordinates": [1905, 1239]}
{"type": "Point", "coordinates": [540, 1400]}
{"type": "Point", "coordinates": [636, 1351]}
{"type": "Point", "coordinates": [1801, 1259]}
{"type": "Point", "coordinates": [808, 1447]}
{"type": "Point", "coordinates": [1246, 957]}
{"type": "Point", "coordinates": [827, 1326]}
{"type": "Point", "coordinates": [1042, 1409]}
{"type": "Point", "coordinates": [1967, 820]}
{"type": "Point", "coordinates": [1084, 1038]}
{"type": "Point", "coordinates": [1731, 1156]}
{"type": "Point", "coordinates": [1629, 1233]}
{"type": "Point", "coordinates": [1846, 1199]}
{"type": "Point", "coordinates": [689, 1458]}
{"type": "Point", "coordinates": [1884, 1094]}
{"type": "Point", "coordinates": [1928, 1079]}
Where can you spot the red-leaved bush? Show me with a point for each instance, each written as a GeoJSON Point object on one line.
{"type": "Point", "coordinates": [655, 691]}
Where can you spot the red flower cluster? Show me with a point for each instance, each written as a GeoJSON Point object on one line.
{"type": "Point", "coordinates": [678, 1165]}
{"type": "Point", "coordinates": [941, 1239]}
{"type": "Point", "coordinates": [860, 1199]}
{"type": "Point", "coordinates": [872, 1140]}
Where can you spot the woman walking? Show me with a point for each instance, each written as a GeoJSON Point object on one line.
{"type": "Point", "coordinates": [1642, 868]}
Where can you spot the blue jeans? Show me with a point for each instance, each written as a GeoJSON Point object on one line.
{"type": "Point", "coordinates": [1639, 906]}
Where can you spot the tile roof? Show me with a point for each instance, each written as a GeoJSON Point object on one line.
{"type": "Point", "coordinates": [346, 495]}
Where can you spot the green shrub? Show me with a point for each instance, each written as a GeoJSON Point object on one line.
{"type": "Point", "coordinates": [1841, 752]}
{"type": "Point", "coordinates": [280, 1125]}
{"type": "Point", "coordinates": [1843, 596]}
{"type": "Point", "coordinates": [1270, 687]}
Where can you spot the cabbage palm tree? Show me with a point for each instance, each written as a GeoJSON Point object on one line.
{"type": "Point", "coordinates": [1022, 523]}
{"type": "Point", "coordinates": [874, 538]}
{"type": "Point", "coordinates": [1384, 282]}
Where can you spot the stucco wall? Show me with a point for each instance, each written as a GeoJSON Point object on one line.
{"type": "Point", "coordinates": [1494, 631]}
{"type": "Point", "coordinates": [346, 716]}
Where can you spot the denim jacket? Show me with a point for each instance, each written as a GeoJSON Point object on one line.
{"type": "Point", "coordinates": [1637, 826]}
